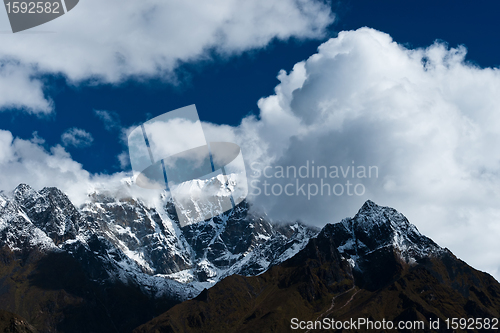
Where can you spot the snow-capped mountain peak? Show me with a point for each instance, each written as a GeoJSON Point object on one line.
{"type": "Point", "coordinates": [375, 228]}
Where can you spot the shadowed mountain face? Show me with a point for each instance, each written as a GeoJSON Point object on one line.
{"type": "Point", "coordinates": [375, 266]}
{"type": "Point", "coordinates": [55, 294]}
{"type": "Point", "coordinates": [12, 323]}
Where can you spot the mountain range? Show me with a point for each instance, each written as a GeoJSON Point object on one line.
{"type": "Point", "coordinates": [119, 264]}
{"type": "Point", "coordinates": [112, 250]}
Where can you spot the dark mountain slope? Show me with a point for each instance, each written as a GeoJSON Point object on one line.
{"type": "Point", "coordinates": [375, 265]}
{"type": "Point", "coordinates": [54, 293]}
{"type": "Point", "coordinates": [12, 323]}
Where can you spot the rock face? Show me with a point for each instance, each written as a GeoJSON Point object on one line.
{"type": "Point", "coordinates": [16, 229]}
{"type": "Point", "coordinates": [375, 265]}
{"type": "Point", "coordinates": [130, 245]}
{"type": "Point", "coordinates": [50, 210]}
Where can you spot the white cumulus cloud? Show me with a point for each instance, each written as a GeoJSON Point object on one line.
{"type": "Point", "coordinates": [110, 41]}
{"type": "Point", "coordinates": [428, 120]}
{"type": "Point", "coordinates": [21, 89]}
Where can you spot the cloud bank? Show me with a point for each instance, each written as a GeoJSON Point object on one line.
{"type": "Point", "coordinates": [111, 41]}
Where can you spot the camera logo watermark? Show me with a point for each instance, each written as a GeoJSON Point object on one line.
{"type": "Point", "coordinates": [25, 15]}
{"type": "Point", "coordinates": [205, 179]}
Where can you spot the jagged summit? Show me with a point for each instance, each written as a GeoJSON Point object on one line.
{"type": "Point", "coordinates": [368, 206]}
{"type": "Point", "coordinates": [380, 232]}
{"type": "Point", "coordinates": [22, 189]}
{"type": "Point", "coordinates": [17, 232]}
{"type": "Point", "coordinates": [372, 214]}
{"type": "Point", "coordinates": [50, 210]}
{"type": "Point", "coordinates": [377, 226]}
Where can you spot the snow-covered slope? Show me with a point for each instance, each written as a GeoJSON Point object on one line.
{"type": "Point", "coordinates": [143, 244]}
{"type": "Point", "coordinates": [50, 210]}
{"type": "Point", "coordinates": [17, 230]}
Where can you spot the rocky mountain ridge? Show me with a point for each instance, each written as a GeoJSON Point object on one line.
{"type": "Point", "coordinates": [144, 245]}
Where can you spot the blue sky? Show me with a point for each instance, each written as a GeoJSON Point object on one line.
{"type": "Point", "coordinates": [414, 94]}
{"type": "Point", "coordinates": [226, 89]}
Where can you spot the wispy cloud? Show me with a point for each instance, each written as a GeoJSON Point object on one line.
{"type": "Point", "coordinates": [76, 137]}
{"type": "Point", "coordinates": [110, 119]}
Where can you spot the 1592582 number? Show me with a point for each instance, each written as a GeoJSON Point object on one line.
{"type": "Point", "coordinates": [472, 323]}
{"type": "Point", "coordinates": [32, 7]}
